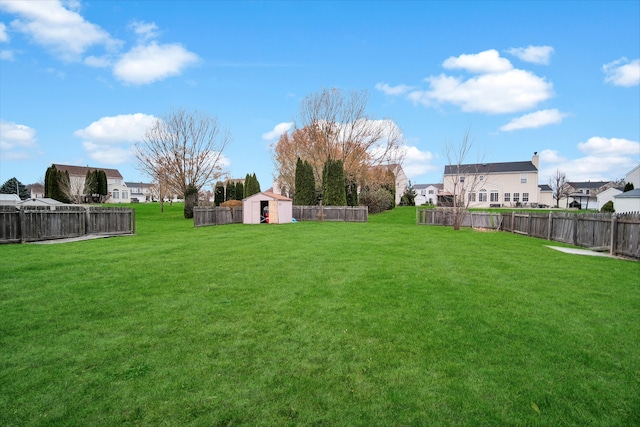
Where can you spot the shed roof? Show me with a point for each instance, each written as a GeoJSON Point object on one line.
{"type": "Point", "coordinates": [270, 195]}
{"type": "Point", "coordinates": [635, 193]}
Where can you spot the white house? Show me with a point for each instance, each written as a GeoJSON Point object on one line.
{"type": "Point", "coordinates": [509, 184]}
{"type": "Point", "coordinates": [142, 192]}
{"type": "Point", "coordinates": [633, 176]}
{"type": "Point", "coordinates": [427, 193]}
{"type": "Point", "coordinates": [583, 195]}
{"type": "Point", "coordinates": [606, 196]}
{"type": "Point", "coordinates": [627, 202]}
{"type": "Point", "coordinates": [116, 188]}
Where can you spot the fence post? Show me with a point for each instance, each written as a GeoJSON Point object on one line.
{"type": "Point", "coordinates": [23, 224]}
{"type": "Point", "coordinates": [550, 230]}
{"type": "Point", "coordinates": [575, 230]}
{"type": "Point", "coordinates": [513, 222]}
{"type": "Point", "coordinates": [87, 220]}
{"type": "Point", "coordinates": [529, 224]}
{"type": "Point", "coordinates": [614, 234]}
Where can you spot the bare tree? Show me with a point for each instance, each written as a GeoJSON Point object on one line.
{"type": "Point", "coordinates": [181, 149]}
{"type": "Point", "coordinates": [460, 178]}
{"type": "Point", "coordinates": [559, 188]}
{"type": "Point", "coordinates": [334, 125]}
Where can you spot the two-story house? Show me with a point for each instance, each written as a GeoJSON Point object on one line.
{"type": "Point", "coordinates": [142, 192]}
{"type": "Point", "coordinates": [507, 184]}
{"type": "Point", "coordinates": [583, 195]}
{"type": "Point", "coordinates": [116, 188]}
{"type": "Point", "coordinates": [427, 194]}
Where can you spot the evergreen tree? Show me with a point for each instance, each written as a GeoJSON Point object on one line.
{"type": "Point", "coordinates": [256, 184]}
{"type": "Point", "coordinates": [103, 185]}
{"type": "Point", "coordinates": [56, 185]}
{"type": "Point", "coordinates": [305, 191]}
{"type": "Point", "coordinates": [218, 196]}
{"type": "Point", "coordinates": [13, 186]}
{"type": "Point", "coordinates": [239, 190]}
{"type": "Point", "coordinates": [247, 186]}
{"type": "Point", "coordinates": [333, 184]}
{"type": "Point", "coordinates": [251, 185]}
{"type": "Point", "coordinates": [91, 183]}
{"type": "Point", "coordinates": [230, 193]}
{"type": "Point", "coordinates": [628, 187]}
{"type": "Point", "coordinates": [409, 196]}
{"type": "Point", "coordinates": [352, 193]}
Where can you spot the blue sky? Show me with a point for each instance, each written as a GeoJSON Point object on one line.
{"type": "Point", "coordinates": [81, 80]}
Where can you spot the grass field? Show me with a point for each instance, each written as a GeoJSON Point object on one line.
{"type": "Point", "coordinates": [379, 324]}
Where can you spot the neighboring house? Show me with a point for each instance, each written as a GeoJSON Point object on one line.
{"type": "Point", "coordinates": [40, 201]}
{"type": "Point", "coordinates": [627, 202]}
{"type": "Point", "coordinates": [401, 180]}
{"type": "Point", "coordinates": [117, 190]}
{"type": "Point", "coordinates": [509, 184]}
{"type": "Point", "coordinates": [427, 194]}
{"type": "Point", "coordinates": [545, 196]}
{"type": "Point", "coordinates": [36, 190]}
{"type": "Point", "coordinates": [583, 195]}
{"type": "Point", "coordinates": [9, 199]}
{"type": "Point", "coordinates": [607, 196]}
{"type": "Point", "coordinates": [142, 192]}
{"type": "Point", "coordinates": [633, 176]}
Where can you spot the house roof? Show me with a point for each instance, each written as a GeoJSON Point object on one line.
{"type": "Point", "coordinates": [635, 193]}
{"type": "Point", "coordinates": [422, 186]}
{"type": "Point", "coordinates": [270, 195]}
{"type": "Point", "coordinates": [489, 168]}
{"type": "Point", "coordinates": [82, 170]}
{"type": "Point", "coordinates": [588, 184]}
{"type": "Point", "coordinates": [545, 187]}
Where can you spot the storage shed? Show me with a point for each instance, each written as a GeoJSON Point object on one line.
{"type": "Point", "coordinates": [268, 208]}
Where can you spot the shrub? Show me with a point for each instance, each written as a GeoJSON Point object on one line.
{"type": "Point", "coordinates": [608, 207]}
{"type": "Point", "coordinates": [377, 200]}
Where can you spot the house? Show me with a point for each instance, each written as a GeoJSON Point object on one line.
{"type": "Point", "coordinates": [9, 199]}
{"type": "Point", "coordinates": [399, 176]}
{"type": "Point", "coordinates": [627, 202]}
{"type": "Point", "coordinates": [583, 195]}
{"type": "Point", "coordinates": [545, 196]}
{"type": "Point", "coordinates": [427, 194]}
{"type": "Point", "coordinates": [268, 208]}
{"type": "Point", "coordinates": [633, 176]}
{"type": "Point", "coordinates": [142, 192]}
{"type": "Point", "coordinates": [36, 190]}
{"type": "Point", "coordinates": [508, 184]}
{"type": "Point", "coordinates": [606, 196]}
{"type": "Point", "coordinates": [116, 188]}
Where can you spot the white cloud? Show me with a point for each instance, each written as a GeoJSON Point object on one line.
{"type": "Point", "coordinates": [535, 120]}
{"type": "Point", "coordinates": [499, 88]}
{"type": "Point", "coordinates": [622, 72]}
{"type": "Point", "coordinates": [495, 93]}
{"type": "Point", "coordinates": [16, 141]}
{"type": "Point", "coordinates": [63, 31]}
{"type": "Point", "coordinates": [417, 162]}
{"type": "Point", "coordinates": [97, 61]}
{"type": "Point", "coordinates": [605, 159]}
{"type": "Point", "coordinates": [533, 54]}
{"type": "Point", "coordinates": [488, 61]}
{"type": "Point", "coordinates": [278, 130]}
{"type": "Point", "coordinates": [145, 30]}
{"type": "Point", "coordinates": [551, 156]}
{"type": "Point", "coordinates": [610, 146]}
{"type": "Point", "coordinates": [153, 62]}
{"type": "Point", "coordinates": [4, 37]}
{"type": "Point", "coordinates": [108, 140]}
{"type": "Point", "coordinates": [393, 90]}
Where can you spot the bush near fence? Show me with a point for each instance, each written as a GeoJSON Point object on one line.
{"type": "Point", "coordinates": [619, 234]}
{"type": "Point", "coordinates": [36, 223]}
{"type": "Point", "coordinates": [203, 216]}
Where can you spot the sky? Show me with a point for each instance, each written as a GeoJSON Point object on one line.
{"type": "Point", "coordinates": [81, 81]}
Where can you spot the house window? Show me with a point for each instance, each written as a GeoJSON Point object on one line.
{"type": "Point", "coordinates": [116, 194]}
{"type": "Point", "coordinates": [462, 179]}
{"type": "Point", "coordinates": [423, 192]}
{"type": "Point", "coordinates": [507, 197]}
{"type": "Point", "coordinates": [493, 197]}
{"type": "Point", "coordinates": [481, 177]}
{"type": "Point", "coordinates": [472, 197]}
{"type": "Point", "coordinates": [516, 197]}
{"type": "Point", "coordinates": [482, 196]}
{"type": "Point", "coordinates": [523, 178]}
{"type": "Point", "coordinates": [525, 197]}
{"type": "Point", "coordinates": [124, 195]}
{"type": "Point", "coordinates": [430, 191]}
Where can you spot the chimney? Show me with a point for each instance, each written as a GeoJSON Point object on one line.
{"type": "Point", "coordinates": [535, 159]}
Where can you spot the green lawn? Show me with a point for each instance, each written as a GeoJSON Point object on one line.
{"type": "Point", "coordinates": [379, 324]}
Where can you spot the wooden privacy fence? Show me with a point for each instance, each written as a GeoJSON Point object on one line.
{"type": "Point", "coordinates": [35, 223]}
{"type": "Point", "coordinates": [331, 213]}
{"type": "Point", "coordinates": [619, 234]}
{"type": "Point", "coordinates": [223, 215]}
{"type": "Point", "coordinates": [217, 215]}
